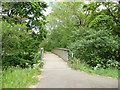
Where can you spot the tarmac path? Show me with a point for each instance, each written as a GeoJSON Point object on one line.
{"type": "Point", "coordinates": [57, 74]}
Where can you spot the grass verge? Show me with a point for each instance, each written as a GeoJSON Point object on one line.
{"type": "Point", "coordinates": [16, 77]}
{"type": "Point", "coordinates": [109, 72]}
{"type": "Point", "coordinates": [48, 52]}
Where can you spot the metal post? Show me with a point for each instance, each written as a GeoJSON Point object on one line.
{"type": "Point", "coordinates": [68, 55]}
{"type": "Point", "coordinates": [40, 55]}
{"type": "Point", "coordinates": [41, 50]}
{"type": "Point", "coordinates": [72, 60]}
{"type": "Point", "coordinates": [72, 56]}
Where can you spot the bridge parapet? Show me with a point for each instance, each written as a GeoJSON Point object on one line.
{"type": "Point", "coordinates": [61, 52]}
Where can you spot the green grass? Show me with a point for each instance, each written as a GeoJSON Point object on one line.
{"type": "Point", "coordinates": [16, 77]}
{"type": "Point", "coordinates": [47, 52]}
{"type": "Point", "coordinates": [110, 72]}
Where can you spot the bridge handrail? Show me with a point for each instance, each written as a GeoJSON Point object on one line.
{"type": "Point", "coordinates": [63, 53]}
{"type": "Point", "coordinates": [62, 49]}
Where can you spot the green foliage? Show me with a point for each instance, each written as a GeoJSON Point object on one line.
{"type": "Point", "coordinates": [11, 38]}
{"type": "Point", "coordinates": [19, 12]}
{"type": "Point", "coordinates": [99, 18]}
{"type": "Point", "coordinates": [16, 77]}
{"type": "Point", "coordinates": [14, 61]}
{"type": "Point", "coordinates": [82, 66]}
{"type": "Point", "coordinates": [36, 57]}
{"type": "Point", "coordinates": [98, 63]}
{"type": "Point", "coordinates": [90, 32]}
{"type": "Point", "coordinates": [102, 21]}
{"type": "Point", "coordinates": [70, 26]}
{"type": "Point", "coordinates": [41, 64]}
{"type": "Point", "coordinates": [96, 47]}
{"type": "Point", "coordinates": [19, 46]}
{"type": "Point", "coordinates": [56, 39]}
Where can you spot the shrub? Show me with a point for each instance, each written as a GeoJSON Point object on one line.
{"type": "Point", "coordinates": [102, 21]}
{"type": "Point", "coordinates": [14, 61]}
{"type": "Point", "coordinates": [96, 47]}
{"type": "Point", "coordinates": [98, 63]}
{"type": "Point", "coordinates": [19, 46]}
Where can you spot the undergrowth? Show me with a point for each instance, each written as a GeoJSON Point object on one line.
{"type": "Point", "coordinates": [82, 66]}
{"type": "Point", "coordinates": [16, 77]}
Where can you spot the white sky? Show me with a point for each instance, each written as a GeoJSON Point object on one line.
{"type": "Point", "coordinates": [49, 9]}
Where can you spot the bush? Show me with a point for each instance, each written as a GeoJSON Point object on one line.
{"type": "Point", "coordinates": [14, 61]}
{"type": "Point", "coordinates": [102, 21]}
{"type": "Point", "coordinates": [96, 47]}
{"type": "Point", "coordinates": [98, 63]}
{"type": "Point", "coordinates": [19, 46]}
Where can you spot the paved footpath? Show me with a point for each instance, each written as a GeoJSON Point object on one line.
{"type": "Point", "coordinates": [57, 74]}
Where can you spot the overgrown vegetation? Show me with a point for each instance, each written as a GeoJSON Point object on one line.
{"type": "Point", "coordinates": [16, 77]}
{"type": "Point", "coordinates": [83, 66]}
{"type": "Point", "coordinates": [97, 48]}
{"type": "Point", "coordinates": [20, 41]}
{"type": "Point", "coordinates": [90, 32]}
{"type": "Point", "coordinates": [22, 33]}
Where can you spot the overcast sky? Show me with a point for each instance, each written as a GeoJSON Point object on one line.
{"type": "Point", "coordinates": [49, 9]}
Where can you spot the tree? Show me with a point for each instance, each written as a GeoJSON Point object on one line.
{"type": "Point", "coordinates": [90, 32]}
{"type": "Point", "coordinates": [18, 45]}
{"type": "Point", "coordinates": [25, 12]}
{"type": "Point", "coordinates": [102, 21]}
{"type": "Point", "coordinates": [20, 42]}
{"type": "Point", "coordinates": [67, 15]}
{"type": "Point", "coordinates": [110, 14]}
